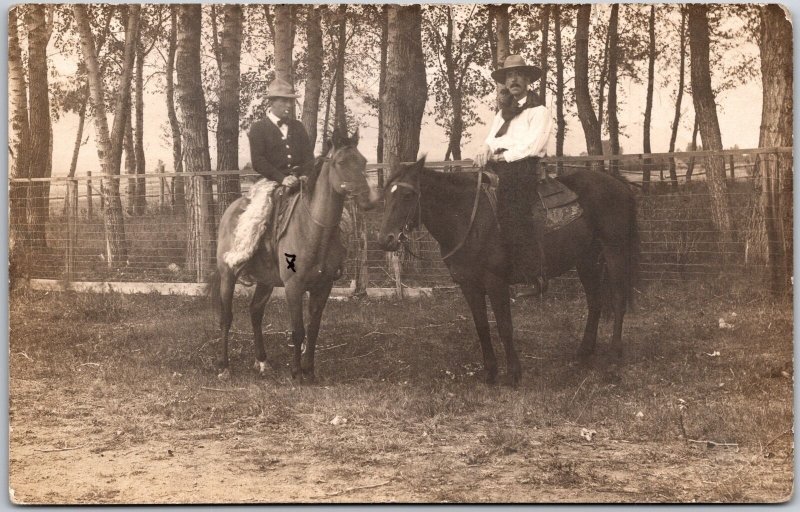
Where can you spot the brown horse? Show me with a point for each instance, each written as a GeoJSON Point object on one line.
{"type": "Point", "coordinates": [312, 236]}
{"type": "Point", "coordinates": [602, 244]}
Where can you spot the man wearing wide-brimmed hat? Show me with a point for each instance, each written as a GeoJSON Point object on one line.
{"type": "Point", "coordinates": [517, 138]}
{"type": "Point", "coordinates": [280, 152]}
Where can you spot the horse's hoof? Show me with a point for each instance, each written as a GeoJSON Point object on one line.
{"type": "Point", "coordinates": [262, 367]}
{"type": "Point", "coordinates": [309, 376]}
{"type": "Point", "coordinates": [512, 380]}
{"type": "Point", "coordinates": [224, 375]}
{"type": "Point", "coordinates": [490, 378]}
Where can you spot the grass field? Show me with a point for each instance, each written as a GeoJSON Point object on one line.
{"type": "Point", "coordinates": [114, 400]}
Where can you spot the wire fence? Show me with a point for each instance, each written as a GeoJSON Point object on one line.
{"type": "Point", "coordinates": [59, 224]}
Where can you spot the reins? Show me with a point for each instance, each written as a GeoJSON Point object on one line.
{"type": "Point", "coordinates": [469, 226]}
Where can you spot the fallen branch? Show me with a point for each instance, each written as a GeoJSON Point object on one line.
{"type": "Point", "coordinates": [58, 449]}
{"type": "Point", "coordinates": [576, 391]}
{"type": "Point", "coordinates": [351, 489]}
{"type": "Point", "coordinates": [223, 390]}
{"type": "Point", "coordinates": [788, 431]}
{"type": "Point", "coordinates": [711, 444]}
{"type": "Point", "coordinates": [330, 348]}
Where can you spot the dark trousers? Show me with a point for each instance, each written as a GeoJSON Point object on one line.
{"type": "Point", "coordinates": [521, 222]}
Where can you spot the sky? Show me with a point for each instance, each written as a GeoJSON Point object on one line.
{"type": "Point", "coordinates": [739, 112]}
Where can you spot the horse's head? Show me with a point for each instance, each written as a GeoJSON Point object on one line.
{"type": "Point", "coordinates": [347, 167]}
{"type": "Point", "coordinates": [402, 212]}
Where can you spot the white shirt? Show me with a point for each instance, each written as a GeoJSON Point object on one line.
{"type": "Point", "coordinates": [283, 127]}
{"type": "Point", "coordinates": [527, 135]}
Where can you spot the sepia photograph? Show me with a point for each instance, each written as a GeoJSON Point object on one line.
{"type": "Point", "coordinates": [400, 253]}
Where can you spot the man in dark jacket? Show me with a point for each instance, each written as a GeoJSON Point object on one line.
{"type": "Point", "coordinates": [517, 139]}
{"type": "Point", "coordinates": [280, 152]}
{"type": "Point", "coordinates": [279, 145]}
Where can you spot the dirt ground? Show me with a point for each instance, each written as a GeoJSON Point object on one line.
{"type": "Point", "coordinates": [121, 408]}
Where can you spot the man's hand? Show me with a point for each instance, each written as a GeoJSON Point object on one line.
{"type": "Point", "coordinates": [290, 182]}
{"type": "Point", "coordinates": [483, 156]}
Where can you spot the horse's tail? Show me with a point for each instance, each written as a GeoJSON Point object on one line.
{"type": "Point", "coordinates": [633, 253]}
{"type": "Point", "coordinates": [213, 289]}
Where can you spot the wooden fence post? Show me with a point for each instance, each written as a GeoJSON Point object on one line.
{"type": "Point", "coordinates": [398, 274]}
{"type": "Point", "coordinates": [162, 181]}
{"type": "Point", "coordinates": [72, 227]}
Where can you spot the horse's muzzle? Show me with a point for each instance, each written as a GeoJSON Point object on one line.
{"type": "Point", "coordinates": [368, 199]}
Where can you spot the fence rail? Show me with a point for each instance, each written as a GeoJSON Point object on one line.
{"type": "Point", "coordinates": [61, 227]}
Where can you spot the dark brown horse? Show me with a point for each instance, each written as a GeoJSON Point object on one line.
{"type": "Point", "coordinates": [312, 236]}
{"type": "Point", "coordinates": [602, 244]}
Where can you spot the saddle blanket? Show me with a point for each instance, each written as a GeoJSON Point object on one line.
{"type": "Point", "coordinates": [560, 216]}
{"type": "Point", "coordinates": [255, 220]}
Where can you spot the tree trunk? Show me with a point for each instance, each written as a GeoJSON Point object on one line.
{"type": "Point", "coordinates": [705, 108]}
{"type": "Point", "coordinates": [406, 85]}
{"type": "Point", "coordinates": [586, 114]}
{"type": "Point", "coordinates": [382, 87]}
{"type": "Point", "coordinates": [284, 44]}
{"type": "Point", "coordinates": [178, 189]}
{"type": "Point", "coordinates": [545, 34]}
{"type": "Point", "coordinates": [499, 13]}
{"type": "Point", "coordinates": [561, 123]}
{"type": "Point", "coordinates": [314, 66]}
{"type": "Point", "coordinates": [673, 173]}
{"type": "Point", "coordinates": [39, 121]}
{"type": "Point", "coordinates": [454, 90]}
{"type": "Point", "coordinates": [194, 128]}
{"type": "Point", "coordinates": [601, 89]}
{"type": "Point", "coordinates": [140, 196]}
{"type": "Point", "coordinates": [776, 131]}
{"type": "Point", "coordinates": [613, 122]}
{"type": "Point", "coordinates": [130, 164]}
{"type": "Point", "coordinates": [109, 146]}
{"type": "Point", "coordinates": [18, 140]}
{"type": "Point", "coordinates": [648, 107]}
{"type": "Point", "coordinates": [228, 187]}
{"type": "Point", "coordinates": [340, 113]}
{"type": "Point", "coordinates": [693, 146]}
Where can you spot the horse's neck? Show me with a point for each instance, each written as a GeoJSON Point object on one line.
{"type": "Point", "coordinates": [325, 207]}
{"type": "Point", "coordinates": [445, 206]}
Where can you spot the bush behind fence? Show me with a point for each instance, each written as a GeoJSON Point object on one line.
{"type": "Point", "coordinates": [64, 238]}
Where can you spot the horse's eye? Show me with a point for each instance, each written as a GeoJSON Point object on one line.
{"type": "Point", "coordinates": [394, 189]}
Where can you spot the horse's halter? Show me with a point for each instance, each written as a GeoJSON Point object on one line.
{"type": "Point", "coordinates": [409, 216]}
{"type": "Point", "coordinates": [349, 189]}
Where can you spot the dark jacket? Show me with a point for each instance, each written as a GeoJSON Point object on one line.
{"type": "Point", "coordinates": [272, 155]}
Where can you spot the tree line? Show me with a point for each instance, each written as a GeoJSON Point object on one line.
{"type": "Point", "coordinates": [213, 63]}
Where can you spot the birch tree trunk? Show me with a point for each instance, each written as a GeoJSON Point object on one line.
{"type": "Point", "coordinates": [284, 44]}
{"type": "Point", "coordinates": [586, 114]}
{"type": "Point", "coordinates": [140, 195]}
{"type": "Point", "coordinates": [613, 122]}
{"type": "Point", "coordinates": [178, 188]}
{"type": "Point", "coordinates": [313, 88]}
{"type": "Point", "coordinates": [340, 111]}
{"type": "Point", "coordinates": [706, 111]}
{"type": "Point", "coordinates": [673, 174]}
{"type": "Point", "coordinates": [109, 146]}
{"type": "Point", "coordinates": [544, 51]}
{"type": "Point", "coordinates": [130, 164]}
{"type": "Point", "coordinates": [561, 122]}
{"type": "Point", "coordinates": [648, 106]}
{"type": "Point", "coordinates": [18, 138]}
{"type": "Point", "coordinates": [194, 130]}
{"type": "Point", "coordinates": [382, 87]}
{"type": "Point", "coordinates": [39, 122]}
{"type": "Point", "coordinates": [228, 187]}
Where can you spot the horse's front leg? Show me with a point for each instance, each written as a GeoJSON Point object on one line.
{"type": "Point", "coordinates": [476, 299]}
{"type": "Point", "coordinates": [294, 298]}
{"type": "Point", "coordinates": [499, 295]}
{"type": "Point", "coordinates": [226, 287]}
{"type": "Point", "coordinates": [318, 298]}
{"type": "Point", "coordinates": [257, 306]}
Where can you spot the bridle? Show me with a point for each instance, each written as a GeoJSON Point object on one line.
{"type": "Point", "coordinates": [350, 187]}
{"type": "Point", "coordinates": [403, 237]}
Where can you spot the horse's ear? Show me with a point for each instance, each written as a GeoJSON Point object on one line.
{"type": "Point", "coordinates": [354, 138]}
{"type": "Point", "coordinates": [338, 139]}
{"type": "Point", "coordinates": [420, 164]}
{"type": "Point", "coordinates": [326, 146]}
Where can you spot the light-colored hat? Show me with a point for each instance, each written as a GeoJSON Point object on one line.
{"type": "Point", "coordinates": [518, 63]}
{"type": "Point", "coordinates": [280, 88]}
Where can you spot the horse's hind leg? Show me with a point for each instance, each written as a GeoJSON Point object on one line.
{"type": "Point", "coordinates": [615, 261]}
{"type": "Point", "coordinates": [476, 299]}
{"type": "Point", "coordinates": [499, 296]}
{"type": "Point", "coordinates": [590, 273]}
{"type": "Point", "coordinates": [257, 306]}
{"type": "Point", "coordinates": [316, 305]}
{"type": "Point", "coordinates": [226, 286]}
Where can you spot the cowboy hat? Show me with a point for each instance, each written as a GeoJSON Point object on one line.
{"type": "Point", "coordinates": [518, 63]}
{"type": "Point", "coordinates": [280, 88]}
